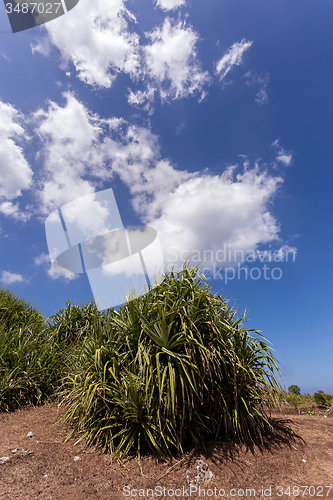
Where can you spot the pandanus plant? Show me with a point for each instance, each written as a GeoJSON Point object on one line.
{"type": "Point", "coordinates": [175, 366]}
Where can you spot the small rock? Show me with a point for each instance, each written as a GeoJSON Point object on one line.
{"type": "Point", "coordinates": [29, 435]}
{"type": "Point", "coordinates": [204, 474]}
{"type": "Point", "coordinates": [304, 460]}
{"type": "Point", "coordinates": [3, 460]}
{"type": "Point", "coordinates": [17, 449]}
{"type": "Point", "coordinates": [77, 459]}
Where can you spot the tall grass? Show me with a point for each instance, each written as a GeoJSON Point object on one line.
{"type": "Point", "coordinates": [172, 367]}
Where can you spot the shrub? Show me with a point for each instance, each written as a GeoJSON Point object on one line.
{"type": "Point", "coordinates": [171, 367]}
{"type": "Point", "coordinates": [72, 322]}
{"type": "Point", "coordinates": [30, 357]}
{"type": "Point", "coordinates": [321, 398]}
{"type": "Point", "coordinates": [17, 313]}
{"type": "Point", "coordinates": [294, 389]}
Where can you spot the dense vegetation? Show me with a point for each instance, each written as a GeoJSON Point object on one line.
{"type": "Point", "coordinates": [30, 357]}
{"type": "Point", "coordinates": [171, 367]}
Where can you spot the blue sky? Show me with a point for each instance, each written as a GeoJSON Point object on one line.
{"type": "Point", "coordinates": [211, 122]}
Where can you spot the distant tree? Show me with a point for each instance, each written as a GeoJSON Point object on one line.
{"type": "Point", "coordinates": [320, 398]}
{"type": "Point", "coordinates": [294, 389]}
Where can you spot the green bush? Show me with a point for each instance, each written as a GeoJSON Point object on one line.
{"type": "Point", "coordinates": [72, 323]}
{"type": "Point", "coordinates": [294, 389]}
{"type": "Point", "coordinates": [17, 313]}
{"type": "Point", "coordinates": [30, 357]}
{"type": "Point", "coordinates": [321, 398]}
{"type": "Point", "coordinates": [172, 367]}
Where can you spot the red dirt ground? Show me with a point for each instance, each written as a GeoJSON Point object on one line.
{"type": "Point", "coordinates": [303, 458]}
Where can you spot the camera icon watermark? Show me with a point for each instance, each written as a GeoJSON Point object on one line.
{"type": "Point", "coordinates": [25, 14]}
{"type": "Point", "coordinates": [87, 235]}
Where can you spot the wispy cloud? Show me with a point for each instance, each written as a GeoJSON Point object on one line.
{"type": "Point", "coordinates": [8, 278]}
{"type": "Point", "coordinates": [233, 57]}
{"type": "Point", "coordinates": [282, 156]}
{"type": "Point", "coordinates": [261, 81]}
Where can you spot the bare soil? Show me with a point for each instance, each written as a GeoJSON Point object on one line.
{"type": "Point", "coordinates": [44, 467]}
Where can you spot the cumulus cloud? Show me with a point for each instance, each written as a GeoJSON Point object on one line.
{"type": "Point", "coordinates": [282, 155]}
{"type": "Point", "coordinates": [192, 211]}
{"type": "Point", "coordinates": [170, 4]}
{"type": "Point", "coordinates": [233, 57]}
{"type": "Point", "coordinates": [98, 40]}
{"type": "Point", "coordinates": [211, 212]}
{"type": "Point", "coordinates": [171, 61]}
{"type": "Point", "coordinates": [8, 278]}
{"type": "Point", "coordinates": [70, 145]}
{"type": "Point", "coordinates": [15, 171]}
{"type": "Point", "coordinates": [80, 151]}
{"type": "Point", "coordinates": [95, 38]}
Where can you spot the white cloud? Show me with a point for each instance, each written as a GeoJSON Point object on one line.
{"type": "Point", "coordinates": [8, 278]}
{"type": "Point", "coordinates": [209, 212]}
{"type": "Point", "coordinates": [10, 209]}
{"type": "Point", "coordinates": [95, 38]}
{"type": "Point", "coordinates": [70, 145]}
{"type": "Point", "coordinates": [170, 4]}
{"type": "Point", "coordinates": [143, 98]}
{"type": "Point", "coordinates": [15, 172]}
{"type": "Point", "coordinates": [190, 210]}
{"type": "Point", "coordinates": [45, 261]}
{"type": "Point", "coordinates": [233, 57]}
{"type": "Point", "coordinates": [284, 158]}
{"type": "Point", "coordinates": [282, 155]}
{"type": "Point", "coordinates": [171, 61]}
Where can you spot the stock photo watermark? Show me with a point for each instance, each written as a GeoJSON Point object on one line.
{"type": "Point", "coordinates": [87, 236]}
{"type": "Point", "coordinates": [24, 15]}
{"type": "Point", "coordinates": [217, 492]}
{"type": "Point", "coordinates": [228, 264]}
